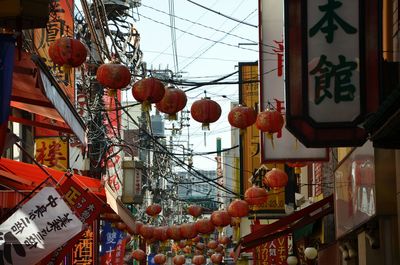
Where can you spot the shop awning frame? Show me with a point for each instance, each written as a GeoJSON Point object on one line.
{"type": "Point", "coordinates": [288, 224]}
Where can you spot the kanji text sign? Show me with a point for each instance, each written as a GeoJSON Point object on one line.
{"type": "Point", "coordinates": [39, 227]}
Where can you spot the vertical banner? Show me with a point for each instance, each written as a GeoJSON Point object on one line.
{"type": "Point", "coordinates": [61, 23]}
{"type": "Point", "coordinates": [113, 175]}
{"type": "Point", "coordinates": [88, 208]}
{"type": "Point", "coordinates": [7, 48]}
{"type": "Point", "coordinates": [52, 152]}
{"type": "Point", "coordinates": [113, 242]}
{"type": "Point", "coordinates": [39, 227]}
{"type": "Point", "coordinates": [274, 252]}
{"type": "Point", "coordinates": [83, 253]}
{"type": "Point", "coordinates": [286, 147]}
{"type": "Point", "coordinates": [250, 140]}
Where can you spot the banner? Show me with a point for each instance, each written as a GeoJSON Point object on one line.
{"type": "Point", "coordinates": [274, 252]}
{"type": "Point", "coordinates": [83, 252]}
{"type": "Point", "coordinates": [40, 226]}
{"type": "Point", "coordinates": [113, 242]}
{"type": "Point", "coordinates": [85, 205]}
{"type": "Point", "coordinates": [7, 47]}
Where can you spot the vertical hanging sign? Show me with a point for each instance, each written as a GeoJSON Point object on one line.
{"type": "Point", "coordinates": [331, 61]}
{"type": "Point", "coordinates": [272, 94]}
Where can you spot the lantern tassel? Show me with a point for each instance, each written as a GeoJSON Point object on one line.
{"type": "Point", "coordinates": [146, 106]}
{"type": "Point", "coordinates": [271, 137]}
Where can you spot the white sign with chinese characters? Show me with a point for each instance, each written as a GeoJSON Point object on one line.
{"type": "Point", "coordinates": [285, 147]}
{"type": "Point", "coordinates": [333, 60]}
{"type": "Point", "coordinates": [39, 227]}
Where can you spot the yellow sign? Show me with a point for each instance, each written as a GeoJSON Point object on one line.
{"type": "Point", "coordinates": [251, 151]}
{"type": "Point", "coordinates": [52, 152]}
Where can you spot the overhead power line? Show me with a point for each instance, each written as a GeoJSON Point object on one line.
{"type": "Point", "coordinates": [219, 13]}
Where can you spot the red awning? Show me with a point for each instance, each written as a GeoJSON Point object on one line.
{"type": "Point", "coordinates": [288, 224]}
{"type": "Point", "coordinates": [22, 176]}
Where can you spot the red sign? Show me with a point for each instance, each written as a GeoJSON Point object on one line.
{"type": "Point", "coordinates": [274, 252]}
{"type": "Point", "coordinates": [84, 249]}
{"type": "Point", "coordinates": [331, 86]}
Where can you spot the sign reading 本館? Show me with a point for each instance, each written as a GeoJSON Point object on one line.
{"type": "Point", "coordinates": [39, 227]}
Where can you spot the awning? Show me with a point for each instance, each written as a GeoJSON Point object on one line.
{"type": "Point", "coordinates": [35, 90]}
{"type": "Point", "coordinates": [22, 176]}
{"type": "Point", "coordinates": [287, 224]}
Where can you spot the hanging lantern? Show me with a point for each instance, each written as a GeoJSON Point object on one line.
{"type": "Point", "coordinates": [200, 246]}
{"type": "Point", "coordinates": [160, 233]}
{"type": "Point", "coordinates": [219, 248]}
{"type": "Point", "coordinates": [174, 100]}
{"type": "Point", "coordinates": [160, 259]}
{"type": "Point", "coordinates": [297, 166]}
{"type": "Point", "coordinates": [204, 226]}
{"type": "Point", "coordinates": [198, 252]}
{"type": "Point", "coordinates": [174, 232]}
{"type": "Point", "coordinates": [195, 210]}
{"type": "Point", "coordinates": [148, 91]}
{"type": "Point", "coordinates": [179, 260]}
{"type": "Point", "coordinates": [146, 231]}
{"type": "Point", "coordinates": [136, 228]}
{"type": "Point", "coordinates": [113, 76]}
{"type": "Point", "coordinates": [238, 208]}
{"type": "Point", "coordinates": [224, 240]}
{"type": "Point", "coordinates": [212, 244]}
{"type": "Point", "coordinates": [255, 196]}
{"type": "Point", "coordinates": [242, 117]}
{"type": "Point", "coordinates": [182, 244]}
{"type": "Point", "coordinates": [270, 122]}
{"type": "Point", "coordinates": [188, 231]}
{"type": "Point", "coordinates": [220, 219]}
{"type": "Point", "coordinates": [138, 255]}
{"type": "Point", "coordinates": [112, 217]}
{"type": "Point", "coordinates": [153, 210]}
{"type": "Point", "coordinates": [205, 111]}
{"type": "Point", "coordinates": [121, 226]}
{"type": "Point", "coordinates": [275, 179]}
{"type": "Point", "coordinates": [198, 259]}
{"type": "Point", "coordinates": [216, 258]}
{"type": "Point", "coordinates": [196, 239]}
{"type": "Point", "coordinates": [67, 52]}
{"type": "Point", "coordinates": [187, 249]}
{"type": "Point", "coordinates": [311, 252]}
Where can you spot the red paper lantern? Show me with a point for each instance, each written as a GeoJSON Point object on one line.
{"type": "Point", "coordinates": [198, 260]}
{"type": "Point", "coordinates": [153, 210]}
{"type": "Point", "coordinates": [216, 258]}
{"type": "Point", "coordinates": [200, 246]}
{"type": "Point", "coordinates": [188, 231]}
{"type": "Point", "coordinates": [224, 240]}
{"type": "Point", "coordinates": [174, 232]}
{"type": "Point", "coordinates": [146, 231]}
{"type": "Point", "coordinates": [187, 249]}
{"type": "Point", "coordinates": [136, 228]}
{"type": "Point", "coordinates": [212, 244]}
{"type": "Point", "coordinates": [219, 248]}
{"type": "Point", "coordinates": [196, 239]}
{"type": "Point", "coordinates": [255, 195]}
{"type": "Point", "coordinates": [182, 244]}
{"type": "Point", "coordinates": [242, 117]}
{"type": "Point", "coordinates": [205, 111]}
{"type": "Point", "coordinates": [114, 76]}
{"type": "Point", "coordinates": [275, 178]}
{"type": "Point", "coordinates": [68, 52]}
{"type": "Point", "coordinates": [148, 91]}
{"type": "Point", "coordinates": [160, 233]}
{"type": "Point", "coordinates": [179, 260]}
{"type": "Point", "coordinates": [220, 219]}
{"type": "Point", "coordinates": [297, 166]}
{"type": "Point", "coordinates": [270, 121]}
{"type": "Point", "coordinates": [195, 210]}
{"type": "Point", "coordinates": [160, 259]}
{"type": "Point", "coordinates": [138, 255]}
{"type": "Point", "coordinates": [121, 226]}
{"type": "Point", "coordinates": [174, 100]}
{"type": "Point", "coordinates": [238, 208]}
{"type": "Point", "coordinates": [204, 226]}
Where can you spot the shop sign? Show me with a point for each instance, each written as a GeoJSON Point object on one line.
{"type": "Point", "coordinates": [113, 242]}
{"type": "Point", "coordinates": [39, 227]}
{"type": "Point", "coordinates": [327, 79]}
{"type": "Point", "coordinates": [284, 147]}
{"type": "Point", "coordinates": [83, 251]}
{"type": "Point", "coordinates": [274, 252]}
{"type": "Point", "coordinates": [52, 152]}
